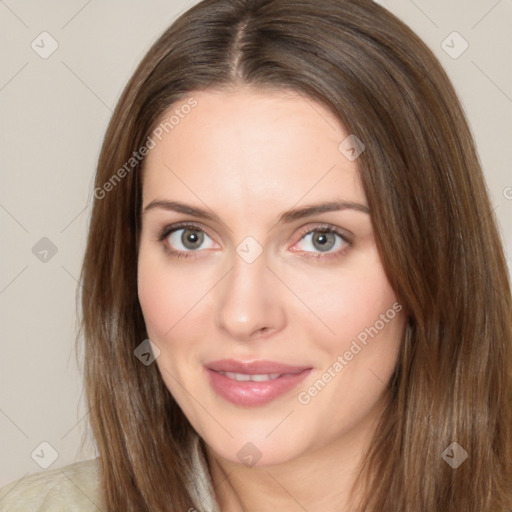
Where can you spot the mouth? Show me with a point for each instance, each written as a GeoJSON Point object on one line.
{"type": "Point", "coordinates": [253, 383]}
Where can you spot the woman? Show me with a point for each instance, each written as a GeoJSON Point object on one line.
{"type": "Point", "coordinates": [294, 292]}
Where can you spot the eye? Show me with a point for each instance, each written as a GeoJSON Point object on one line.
{"type": "Point", "coordinates": [326, 239]}
{"type": "Point", "coordinates": [183, 239]}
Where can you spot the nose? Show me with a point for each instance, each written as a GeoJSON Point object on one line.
{"type": "Point", "coordinates": [249, 304]}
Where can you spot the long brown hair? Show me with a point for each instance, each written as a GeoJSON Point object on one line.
{"type": "Point", "coordinates": [434, 228]}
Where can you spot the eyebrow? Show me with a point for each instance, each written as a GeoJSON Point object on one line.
{"type": "Point", "coordinates": [286, 217]}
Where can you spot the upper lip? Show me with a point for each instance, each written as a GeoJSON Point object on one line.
{"type": "Point", "coordinates": [254, 367]}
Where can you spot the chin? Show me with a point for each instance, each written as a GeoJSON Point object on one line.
{"type": "Point", "coordinates": [258, 450]}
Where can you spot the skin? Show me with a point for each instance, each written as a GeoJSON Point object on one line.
{"type": "Point", "coordinates": [249, 155]}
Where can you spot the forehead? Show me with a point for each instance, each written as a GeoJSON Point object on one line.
{"type": "Point", "coordinates": [248, 144]}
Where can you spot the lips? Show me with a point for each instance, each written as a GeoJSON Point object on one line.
{"type": "Point", "coordinates": [253, 383]}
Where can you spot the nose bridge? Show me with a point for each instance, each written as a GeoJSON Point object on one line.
{"type": "Point", "coordinates": [248, 301]}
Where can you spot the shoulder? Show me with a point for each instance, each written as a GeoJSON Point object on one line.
{"type": "Point", "coordinates": [72, 488]}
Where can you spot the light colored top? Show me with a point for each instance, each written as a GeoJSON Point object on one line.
{"type": "Point", "coordinates": [72, 488]}
{"type": "Point", "coordinates": [77, 488]}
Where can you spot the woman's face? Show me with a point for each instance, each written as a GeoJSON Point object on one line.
{"type": "Point", "coordinates": [277, 328]}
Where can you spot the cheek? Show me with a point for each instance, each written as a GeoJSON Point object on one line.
{"type": "Point", "coordinates": [154, 297]}
{"type": "Point", "coordinates": [167, 292]}
{"type": "Point", "coordinates": [345, 303]}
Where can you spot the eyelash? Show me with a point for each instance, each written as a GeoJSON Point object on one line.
{"type": "Point", "coordinates": [324, 228]}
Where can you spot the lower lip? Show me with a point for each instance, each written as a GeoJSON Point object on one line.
{"type": "Point", "coordinates": [251, 394]}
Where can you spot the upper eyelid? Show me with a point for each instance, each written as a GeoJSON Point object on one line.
{"type": "Point", "coordinates": [171, 228]}
{"type": "Point", "coordinates": [342, 232]}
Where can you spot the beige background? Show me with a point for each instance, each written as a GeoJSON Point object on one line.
{"type": "Point", "coordinates": [54, 113]}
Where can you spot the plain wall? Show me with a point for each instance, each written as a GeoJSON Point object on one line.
{"type": "Point", "coordinates": [54, 113]}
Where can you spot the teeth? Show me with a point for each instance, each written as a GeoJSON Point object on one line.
{"type": "Point", "coordinates": [268, 376]}
{"type": "Point", "coordinates": [255, 378]}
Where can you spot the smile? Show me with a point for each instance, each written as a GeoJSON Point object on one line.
{"type": "Point", "coordinates": [256, 383]}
